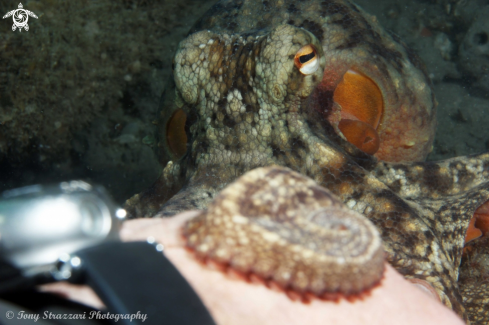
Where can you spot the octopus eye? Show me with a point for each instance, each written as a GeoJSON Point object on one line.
{"type": "Point", "coordinates": [361, 110]}
{"type": "Point", "coordinates": [176, 137]}
{"type": "Point", "coordinates": [306, 60]}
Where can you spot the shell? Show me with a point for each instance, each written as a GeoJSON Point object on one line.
{"type": "Point", "coordinates": [279, 226]}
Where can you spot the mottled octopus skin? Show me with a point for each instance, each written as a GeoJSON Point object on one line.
{"type": "Point", "coordinates": [474, 280]}
{"type": "Point", "coordinates": [248, 106]}
{"type": "Point", "coordinates": [280, 226]}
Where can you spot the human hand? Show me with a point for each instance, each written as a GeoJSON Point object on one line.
{"type": "Point", "coordinates": [233, 301]}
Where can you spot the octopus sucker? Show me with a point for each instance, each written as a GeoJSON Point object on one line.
{"type": "Point", "coordinates": [314, 245]}
{"type": "Point", "coordinates": [360, 98]}
{"type": "Point", "coordinates": [473, 232]}
{"type": "Point", "coordinates": [360, 104]}
{"type": "Point", "coordinates": [481, 216]}
{"type": "Point", "coordinates": [361, 135]}
{"type": "Point", "coordinates": [175, 133]}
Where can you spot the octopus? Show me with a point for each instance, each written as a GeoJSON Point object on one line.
{"type": "Point", "coordinates": [320, 88]}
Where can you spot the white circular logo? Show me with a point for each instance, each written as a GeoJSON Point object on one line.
{"type": "Point", "coordinates": [10, 314]}
{"type": "Point", "coordinates": [20, 18]}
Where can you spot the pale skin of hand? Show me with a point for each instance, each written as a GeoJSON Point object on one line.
{"type": "Point", "coordinates": [235, 302]}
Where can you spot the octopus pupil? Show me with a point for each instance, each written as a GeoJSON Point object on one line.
{"type": "Point", "coordinates": [304, 58]}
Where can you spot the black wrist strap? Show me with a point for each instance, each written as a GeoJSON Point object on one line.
{"type": "Point", "coordinates": [134, 277]}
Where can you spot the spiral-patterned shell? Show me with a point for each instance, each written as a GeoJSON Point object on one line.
{"type": "Point", "coordinates": [282, 227]}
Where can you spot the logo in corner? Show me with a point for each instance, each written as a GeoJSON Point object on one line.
{"type": "Point", "coordinates": [20, 16]}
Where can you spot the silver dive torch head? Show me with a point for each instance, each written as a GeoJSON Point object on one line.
{"type": "Point", "coordinates": [41, 226]}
